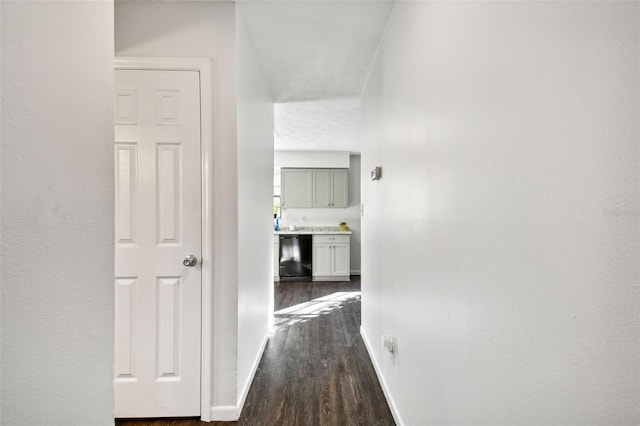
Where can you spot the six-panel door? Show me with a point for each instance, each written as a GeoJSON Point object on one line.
{"type": "Point", "coordinates": [158, 224]}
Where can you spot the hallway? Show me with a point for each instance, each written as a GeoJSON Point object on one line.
{"type": "Point", "coordinates": [315, 369]}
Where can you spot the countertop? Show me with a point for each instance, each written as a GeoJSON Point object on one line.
{"type": "Point", "coordinates": [327, 230]}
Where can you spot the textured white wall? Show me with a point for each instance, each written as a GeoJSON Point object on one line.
{"type": "Point", "coordinates": [57, 213]}
{"type": "Point", "coordinates": [255, 207]}
{"type": "Point", "coordinates": [500, 246]}
{"type": "Point", "coordinates": [202, 29]}
{"type": "Point", "coordinates": [331, 217]}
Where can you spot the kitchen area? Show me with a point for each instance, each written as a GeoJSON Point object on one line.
{"type": "Point", "coordinates": [316, 216]}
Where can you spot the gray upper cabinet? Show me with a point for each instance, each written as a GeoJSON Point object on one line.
{"type": "Point", "coordinates": [296, 188]}
{"type": "Point", "coordinates": [325, 188]}
{"type": "Point", "coordinates": [340, 186]}
{"type": "Point", "coordinates": [322, 190]}
{"type": "Point", "coordinates": [330, 187]}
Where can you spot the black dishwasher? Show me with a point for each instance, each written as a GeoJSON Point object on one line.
{"type": "Point", "coordinates": [295, 257]}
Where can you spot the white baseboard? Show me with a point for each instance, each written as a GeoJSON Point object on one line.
{"type": "Point", "coordinates": [224, 413]}
{"type": "Point", "coordinates": [245, 389]}
{"type": "Point", "coordinates": [383, 384]}
{"type": "Point", "coordinates": [356, 272]}
{"type": "Point", "coordinates": [231, 413]}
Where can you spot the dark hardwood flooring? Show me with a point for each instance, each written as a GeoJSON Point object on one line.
{"type": "Point", "coordinates": [315, 369]}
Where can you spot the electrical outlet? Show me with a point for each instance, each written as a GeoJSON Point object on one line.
{"type": "Point", "coordinates": [388, 344]}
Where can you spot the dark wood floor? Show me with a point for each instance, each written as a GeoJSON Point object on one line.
{"type": "Point", "coordinates": [315, 369]}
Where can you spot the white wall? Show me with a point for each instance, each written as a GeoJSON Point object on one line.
{"type": "Point", "coordinates": [312, 159]}
{"type": "Point", "coordinates": [500, 246]}
{"type": "Point", "coordinates": [333, 216]}
{"type": "Point", "coordinates": [203, 29]}
{"type": "Point", "coordinates": [57, 213]}
{"type": "Point", "coordinates": [255, 207]}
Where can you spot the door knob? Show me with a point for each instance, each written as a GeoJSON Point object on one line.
{"type": "Point", "coordinates": [190, 260]}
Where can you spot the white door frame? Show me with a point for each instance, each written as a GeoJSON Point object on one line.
{"type": "Point", "coordinates": [203, 67]}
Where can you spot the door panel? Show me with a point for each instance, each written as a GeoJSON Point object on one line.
{"type": "Point", "coordinates": [321, 188]}
{"type": "Point", "coordinates": [296, 188]}
{"type": "Point", "coordinates": [124, 325]}
{"type": "Point", "coordinates": [126, 198]}
{"type": "Point", "coordinates": [340, 259]}
{"type": "Point", "coordinates": [340, 183]}
{"type": "Point", "coordinates": [158, 223]}
{"type": "Point", "coordinates": [321, 263]}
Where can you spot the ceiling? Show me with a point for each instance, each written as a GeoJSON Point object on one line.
{"type": "Point", "coordinates": [316, 55]}
{"type": "Point", "coordinates": [325, 125]}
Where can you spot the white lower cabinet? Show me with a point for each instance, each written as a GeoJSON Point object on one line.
{"type": "Point", "coordinates": [321, 260]}
{"type": "Point", "coordinates": [340, 260]}
{"type": "Point", "coordinates": [331, 258]}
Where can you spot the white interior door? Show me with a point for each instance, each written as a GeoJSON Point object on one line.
{"type": "Point", "coordinates": [158, 224]}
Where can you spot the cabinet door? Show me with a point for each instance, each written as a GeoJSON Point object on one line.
{"type": "Point", "coordinates": [276, 261]}
{"type": "Point", "coordinates": [340, 254]}
{"type": "Point", "coordinates": [321, 260]}
{"type": "Point", "coordinates": [296, 188]}
{"type": "Point", "coordinates": [322, 188]}
{"type": "Point", "coordinates": [339, 187]}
